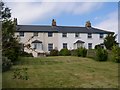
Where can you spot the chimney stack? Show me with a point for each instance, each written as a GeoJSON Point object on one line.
{"type": "Point", "coordinates": [88, 24]}
{"type": "Point", "coordinates": [15, 21]}
{"type": "Point", "coordinates": [53, 22]}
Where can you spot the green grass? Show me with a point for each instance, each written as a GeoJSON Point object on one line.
{"type": "Point", "coordinates": [61, 72]}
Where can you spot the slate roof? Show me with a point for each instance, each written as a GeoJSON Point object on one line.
{"type": "Point", "coordinates": [59, 29]}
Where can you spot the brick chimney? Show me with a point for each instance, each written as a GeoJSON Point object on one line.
{"type": "Point", "coordinates": [88, 24]}
{"type": "Point", "coordinates": [15, 21]}
{"type": "Point", "coordinates": [53, 22]}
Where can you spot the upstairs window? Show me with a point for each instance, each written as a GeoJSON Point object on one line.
{"type": "Point", "coordinates": [77, 35]}
{"type": "Point", "coordinates": [101, 35]}
{"type": "Point", "coordinates": [50, 34]}
{"type": "Point", "coordinates": [64, 45]}
{"type": "Point", "coordinates": [35, 34]}
{"type": "Point", "coordinates": [64, 34]}
{"type": "Point", "coordinates": [89, 35]}
{"type": "Point", "coordinates": [21, 34]}
{"type": "Point", "coordinates": [50, 46]}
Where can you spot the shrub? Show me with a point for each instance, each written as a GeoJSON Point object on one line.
{"type": "Point", "coordinates": [73, 52]}
{"type": "Point", "coordinates": [21, 74]}
{"type": "Point", "coordinates": [116, 53]}
{"type": "Point", "coordinates": [25, 54]}
{"type": "Point", "coordinates": [101, 54]}
{"type": "Point", "coordinates": [54, 52]}
{"type": "Point", "coordinates": [64, 52]}
{"type": "Point", "coordinates": [82, 52]}
{"type": "Point", "coordinates": [91, 53]}
{"type": "Point", "coordinates": [6, 64]}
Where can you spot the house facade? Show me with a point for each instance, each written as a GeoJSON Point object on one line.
{"type": "Point", "coordinates": [39, 39]}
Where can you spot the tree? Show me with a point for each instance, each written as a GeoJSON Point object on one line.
{"type": "Point", "coordinates": [109, 41]}
{"type": "Point", "coordinates": [116, 53]}
{"type": "Point", "coordinates": [10, 45]}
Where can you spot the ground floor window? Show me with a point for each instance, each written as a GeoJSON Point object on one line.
{"type": "Point", "coordinates": [50, 46]}
{"type": "Point", "coordinates": [35, 45]}
{"type": "Point", "coordinates": [89, 45]}
{"type": "Point", "coordinates": [38, 46]}
{"type": "Point", "coordinates": [64, 45]}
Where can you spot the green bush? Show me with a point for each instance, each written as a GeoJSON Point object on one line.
{"type": "Point", "coordinates": [6, 64]}
{"type": "Point", "coordinates": [73, 52]}
{"type": "Point", "coordinates": [116, 53]}
{"type": "Point", "coordinates": [91, 53]}
{"type": "Point", "coordinates": [82, 52]}
{"type": "Point", "coordinates": [101, 54]}
{"type": "Point", "coordinates": [98, 46]}
{"type": "Point", "coordinates": [25, 54]}
{"type": "Point", "coordinates": [64, 52]}
{"type": "Point", "coordinates": [54, 52]}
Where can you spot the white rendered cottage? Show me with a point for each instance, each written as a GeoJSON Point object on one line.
{"type": "Point", "coordinates": [40, 39]}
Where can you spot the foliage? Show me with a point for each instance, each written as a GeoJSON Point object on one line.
{"type": "Point", "coordinates": [10, 45]}
{"type": "Point", "coordinates": [20, 74]}
{"type": "Point", "coordinates": [25, 54]}
{"type": "Point", "coordinates": [54, 52]}
{"type": "Point", "coordinates": [82, 52]}
{"type": "Point", "coordinates": [91, 53]}
{"type": "Point", "coordinates": [73, 52]}
{"type": "Point", "coordinates": [63, 72]}
{"type": "Point", "coordinates": [64, 52]}
{"type": "Point", "coordinates": [101, 54]}
{"type": "Point", "coordinates": [109, 41]}
{"type": "Point", "coordinates": [5, 12]}
{"type": "Point", "coordinates": [116, 53]}
{"type": "Point", "coordinates": [6, 64]}
{"type": "Point", "coordinates": [98, 46]}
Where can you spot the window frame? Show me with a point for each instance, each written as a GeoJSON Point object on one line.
{"type": "Point", "coordinates": [77, 35]}
{"type": "Point", "coordinates": [50, 34]}
{"type": "Point", "coordinates": [35, 34]}
{"type": "Point", "coordinates": [21, 34]}
{"type": "Point", "coordinates": [35, 45]}
{"type": "Point", "coordinates": [101, 36]}
{"type": "Point", "coordinates": [89, 45]}
{"type": "Point", "coordinates": [50, 47]}
{"type": "Point", "coordinates": [89, 35]}
{"type": "Point", "coordinates": [64, 45]}
{"type": "Point", "coordinates": [64, 34]}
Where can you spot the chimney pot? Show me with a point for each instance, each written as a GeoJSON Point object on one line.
{"type": "Point", "coordinates": [53, 22]}
{"type": "Point", "coordinates": [88, 24]}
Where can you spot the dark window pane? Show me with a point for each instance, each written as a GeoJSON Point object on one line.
{"type": "Point", "coordinates": [64, 34]}
{"type": "Point", "coordinates": [89, 45]}
{"type": "Point", "coordinates": [101, 35]}
{"type": "Point", "coordinates": [50, 34]}
{"type": "Point", "coordinates": [64, 45]}
{"type": "Point", "coordinates": [76, 34]}
{"type": "Point", "coordinates": [50, 46]}
{"type": "Point", "coordinates": [35, 45]}
{"type": "Point", "coordinates": [35, 33]}
{"type": "Point", "coordinates": [89, 35]}
{"type": "Point", "coordinates": [21, 34]}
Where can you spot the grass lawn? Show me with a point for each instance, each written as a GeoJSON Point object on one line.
{"type": "Point", "coordinates": [61, 72]}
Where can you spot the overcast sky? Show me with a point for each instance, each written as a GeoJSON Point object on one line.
{"type": "Point", "coordinates": [103, 15]}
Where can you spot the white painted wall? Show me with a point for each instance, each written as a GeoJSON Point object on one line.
{"type": "Point", "coordinates": [58, 40]}
{"type": "Point", "coordinates": [71, 39]}
{"type": "Point", "coordinates": [41, 37]}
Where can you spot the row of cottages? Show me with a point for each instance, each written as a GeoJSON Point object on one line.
{"type": "Point", "coordinates": [40, 39]}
